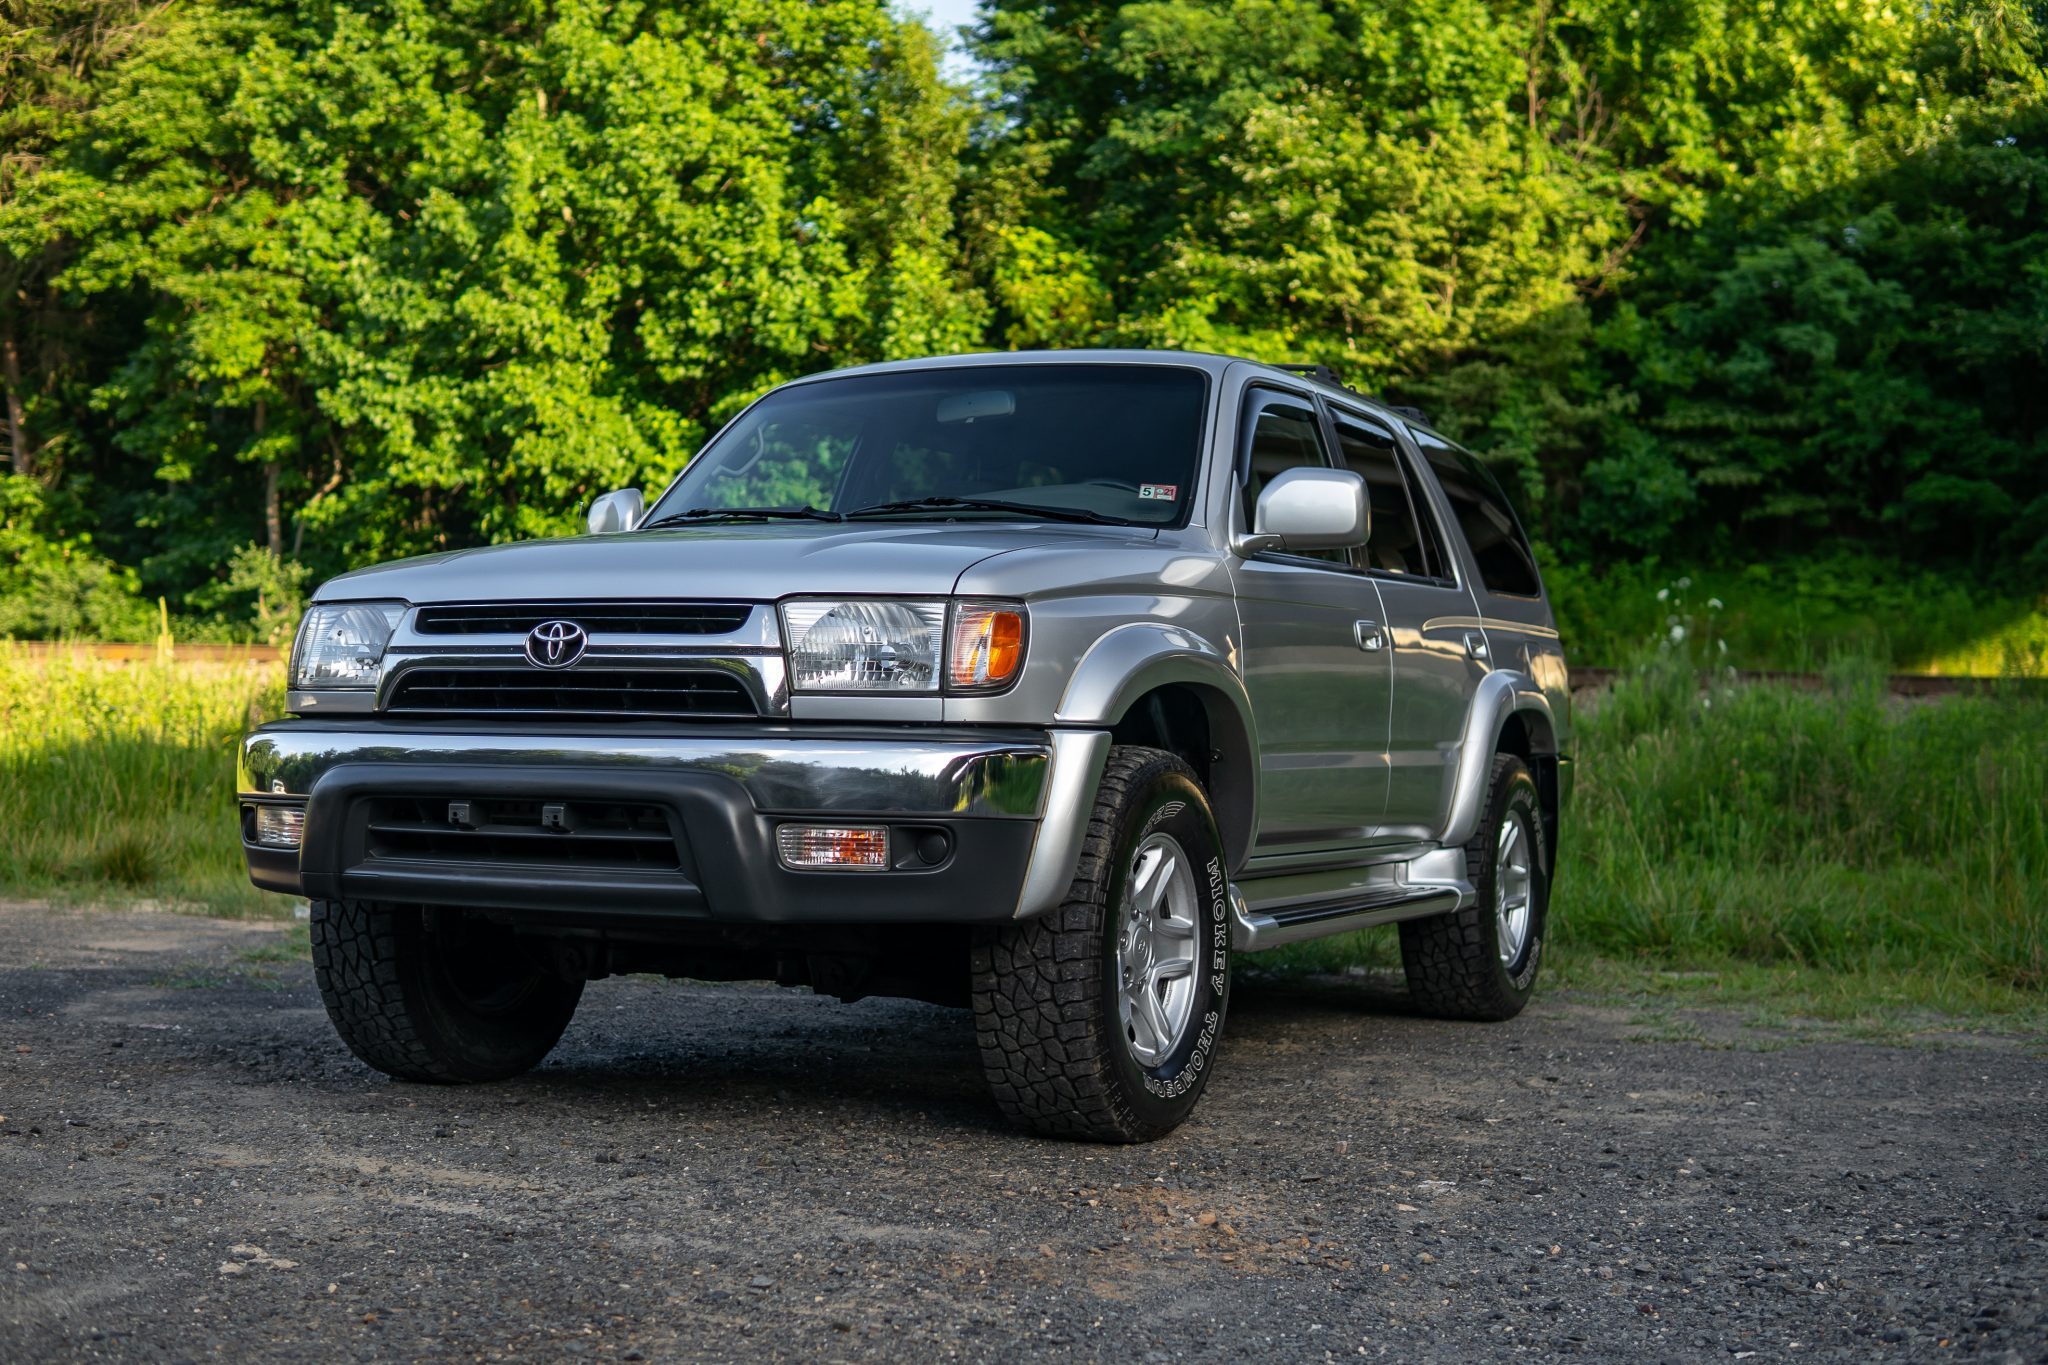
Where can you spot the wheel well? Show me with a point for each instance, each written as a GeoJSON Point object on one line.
{"type": "Point", "coordinates": [1200, 726]}
{"type": "Point", "coordinates": [1173, 719]}
{"type": "Point", "coordinates": [1527, 735]}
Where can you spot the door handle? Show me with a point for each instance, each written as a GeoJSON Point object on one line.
{"type": "Point", "coordinates": [1369, 635]}
{"type": "Point", "coordinates": [1475, 645]}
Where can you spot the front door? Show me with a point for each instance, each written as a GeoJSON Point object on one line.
{"type": "Point", "coordinates": [1316, 662]}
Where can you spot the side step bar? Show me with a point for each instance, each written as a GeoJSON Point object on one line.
{"type": "Point", "coordinates": [1253, 931]}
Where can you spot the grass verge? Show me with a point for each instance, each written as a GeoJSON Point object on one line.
{"type": "Point", "coordinates": [117, 781]}
{"type": "Point", "coordinates": [1841, 857]}
{"type": "Point", "coordinates": [1838, 856]}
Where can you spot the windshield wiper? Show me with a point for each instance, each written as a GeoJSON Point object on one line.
{"type": "Point", "coordinates": [804, 513]}
{"type": "Point", "coordinates": [986, 505]}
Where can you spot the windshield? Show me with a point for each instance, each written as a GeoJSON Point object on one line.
{"type": "Point", "coordinates": [1083, 442]}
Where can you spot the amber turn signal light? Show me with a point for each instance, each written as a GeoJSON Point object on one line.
{"type": "Point", "coordinates": [849, 848]}
{"type": "Point", "coordinates": [988, 646]}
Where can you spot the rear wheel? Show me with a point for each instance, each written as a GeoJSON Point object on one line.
{"type": "Point", "coordinates": [1481, 962]}
{"type": "Point", "coordinates": [464, 1002]}
{"type": "Point", "coordinates": [1100, 1019]}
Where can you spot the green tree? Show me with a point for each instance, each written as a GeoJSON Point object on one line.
{"type": "Point", "coordinates": [51, 52]}
{"type": "Point", "coordinates": [1378, 186]}
{"type": "Point", "coordinates": [428, 274]}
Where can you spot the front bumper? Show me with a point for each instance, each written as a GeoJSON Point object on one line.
{"type": "Point", "coordinates": [1009, 810]}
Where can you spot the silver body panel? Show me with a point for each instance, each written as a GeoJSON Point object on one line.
{"type": "Point", "coordinates": [1344, 770]}
{"type": "Point", "coordinates": [1322, 703]}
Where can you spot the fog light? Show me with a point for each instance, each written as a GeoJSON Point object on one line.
{"type": "Point", "coordinates": [853, 848]}
{"type": "Point", "coordinates": [280, 826]}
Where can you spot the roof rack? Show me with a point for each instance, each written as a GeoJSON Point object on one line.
{"type": "Point", "coordinates": [1321, 373]}
{"type": "Point", "coordinates": [1325, 375]}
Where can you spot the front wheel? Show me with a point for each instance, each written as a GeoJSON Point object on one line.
{"type": "Point", "coordinates": [1100, 1019]}
{"type": "Point", "coordinates": [1480, 962]}
{"type": "Point", "coordinates": [464, 1002]}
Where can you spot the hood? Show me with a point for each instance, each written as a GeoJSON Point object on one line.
{"type": "Point", "coordinates": [733, 562]}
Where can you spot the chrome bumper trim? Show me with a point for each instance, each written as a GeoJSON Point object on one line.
{"type": "Point", "coordinates": [784, 774]}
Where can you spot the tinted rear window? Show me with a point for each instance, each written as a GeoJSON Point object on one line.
{"type": "Point", "coordinates": [1483, 513]}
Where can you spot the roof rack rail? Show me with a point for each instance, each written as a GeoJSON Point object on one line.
{"type": "Point", "coordinates": [1321, 373]}
{"type": "Point", "coordinates": [1324, 374]}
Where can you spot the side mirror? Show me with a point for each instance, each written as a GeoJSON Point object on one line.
{"type": "Point", "coordinates": [620, 511]}
{"type": "Point", "coordinates": [1310, 509]}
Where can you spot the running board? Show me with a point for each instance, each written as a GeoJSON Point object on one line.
{"type": "Point", "coordinates": [1253, 931]}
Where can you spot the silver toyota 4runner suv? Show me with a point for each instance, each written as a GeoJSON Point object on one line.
{"type": "Point", "coordinates": [1040, 684]}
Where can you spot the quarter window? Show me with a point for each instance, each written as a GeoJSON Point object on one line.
{"type": "Point", "coordinates": [1282, 434]}
{"type": "Point", "coordinates": [1481, 508]}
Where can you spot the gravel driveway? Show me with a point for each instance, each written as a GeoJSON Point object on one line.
{"type": "Point", "coordinates": [191, 1166]}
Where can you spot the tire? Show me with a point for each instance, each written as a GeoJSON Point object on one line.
{"type": "Point", "coordinates": [1068, 1048]}
{"type": "Point", "coordinates": [1455, 963]}
{"type": "Point", "coordinates": [460, 1003]}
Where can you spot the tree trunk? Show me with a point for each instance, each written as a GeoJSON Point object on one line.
{"type": "Point", "coordinates": [17, 424]}
{"type": "Point", "coordinates": [273, 508]}
{"type": "Point", "coordinates": [1533, 83]}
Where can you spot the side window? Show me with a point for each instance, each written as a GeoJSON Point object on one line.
{"type": "Point", "coordinates": [1403, 538]}
{"type": "Point", "coordinates": [1282, 433]}
{"type": "Point", "coordinates": [1501, 551]}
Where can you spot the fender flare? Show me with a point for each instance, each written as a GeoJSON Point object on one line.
{"type": "Point", "coordinates": [1501, 694]}
{"type": "Point", "coordinates": [1131, 660]}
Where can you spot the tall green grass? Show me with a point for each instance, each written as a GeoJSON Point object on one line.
{"type": "Point", "coordinates": [117, 781]}
{"type": "Point", "coordinates": [1841, 854]}
{"type": "Point", "coordinates": [1845, 831]}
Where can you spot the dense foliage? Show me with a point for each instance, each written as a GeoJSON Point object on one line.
{"type": "Point", "coordinates": [1719, 282]}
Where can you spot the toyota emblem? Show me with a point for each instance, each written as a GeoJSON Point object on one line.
{"type": "Point", "coordinates": [556, 644]}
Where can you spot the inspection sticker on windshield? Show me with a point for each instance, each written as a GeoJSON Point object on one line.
{"type": "Point", "coordinates": [1158, 492]}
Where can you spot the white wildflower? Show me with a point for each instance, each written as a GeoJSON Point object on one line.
{"type": "Point", "coordinates": [1663, 594]}
{"type": "Point", "coordinates": [1677, 634]}
{"type": "Point", "coordinates": [1685, 582]}
{"type": "Point", "coordinates": [1715, 603]}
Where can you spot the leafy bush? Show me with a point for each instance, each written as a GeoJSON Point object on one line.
{"type": "Point", "coordinates": [58, 585]}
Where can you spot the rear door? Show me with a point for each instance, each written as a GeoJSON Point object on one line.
{"type": "Point", "coordinates": [1316, 665]}
{"type": "Point", "coordinates": [1431, 619]}
{"type": "Point", "coordinates": [1507, 587]}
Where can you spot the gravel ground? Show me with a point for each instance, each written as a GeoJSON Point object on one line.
{"type": "Point", "coordinates": [193, 1167]}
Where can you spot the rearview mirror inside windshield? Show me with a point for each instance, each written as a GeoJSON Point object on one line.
{"type": "Point", "coordinates": [967, 407]}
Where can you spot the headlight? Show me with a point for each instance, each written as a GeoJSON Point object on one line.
{"type": "Point", "coordinates": [341, 644]}
{"type": "Point", "coordinates": [892, 645]}
{"type": "Point", "coordinates": [883, 646]}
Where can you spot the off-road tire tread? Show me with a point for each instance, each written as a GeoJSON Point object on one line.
{"type": "Point", "coordinates": [1451, 960]}
{"type": "Point", "coordinates": [1043, 1047]}
{"type": "Point", "coordinates": [355, 961]}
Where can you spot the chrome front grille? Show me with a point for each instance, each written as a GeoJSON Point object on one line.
{"type": "Point", "coordinates": [599, 618]}
{"type": "Point", "coordinates": [623, 693]}
{"type": "Point", "coordinates": [643, 660]}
